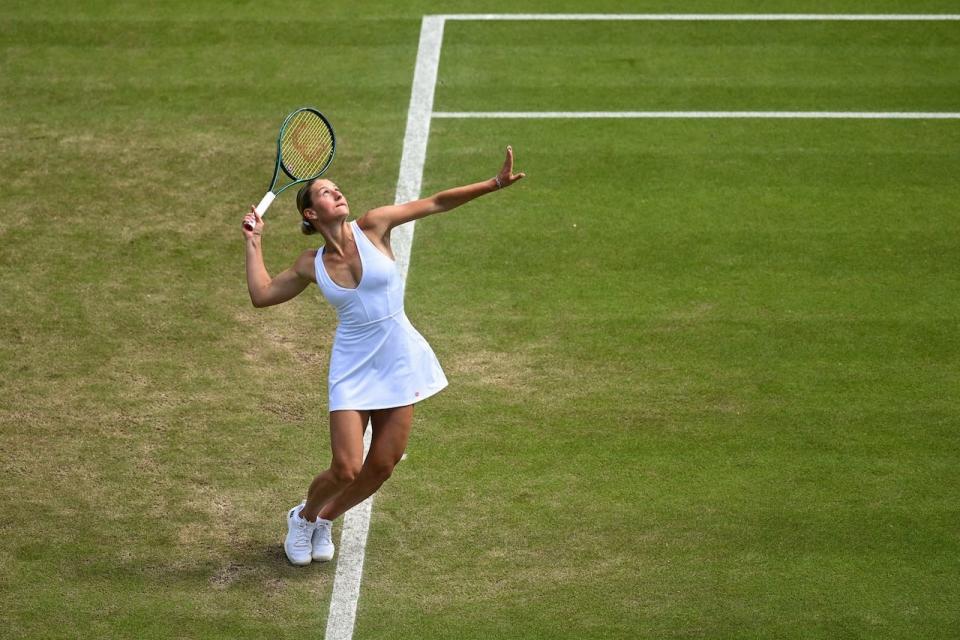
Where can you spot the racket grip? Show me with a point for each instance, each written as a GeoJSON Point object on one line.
{"type": "Point", "coordinates": [265, 203]}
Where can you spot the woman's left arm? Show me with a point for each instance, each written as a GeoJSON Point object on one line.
{"type": "Point", "coordinates": [385, 218]}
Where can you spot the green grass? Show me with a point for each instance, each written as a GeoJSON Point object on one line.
{"type": "Point", "coordinates": [704, 374]}
{"type": "Point", "coordinates": [729, 393]}
{"type": "Point", "coordinates": [690, 66]}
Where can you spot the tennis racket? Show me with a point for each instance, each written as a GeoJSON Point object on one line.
{"type": "Point", "coordinates": [305, 149]}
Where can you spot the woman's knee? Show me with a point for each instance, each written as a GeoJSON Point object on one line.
{"type": "Point", "coordinates": [380, 468]}
{"type": "Point", "coordinates": [344, 472]}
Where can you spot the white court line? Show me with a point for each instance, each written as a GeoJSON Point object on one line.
{"type": "Point", "coordinates": [859, 115]}
{"type": "Point", "coordinates": [356, 522]}
{"type": "Point", "coordinates": [711, 17]}
{"type": "Point", "coordinates": [418, 132]}
{"type": "Point", "coordinates": [346, 581]}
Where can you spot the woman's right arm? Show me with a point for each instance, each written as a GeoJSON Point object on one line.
{"type": "Point", "coordinates": [264, 290]}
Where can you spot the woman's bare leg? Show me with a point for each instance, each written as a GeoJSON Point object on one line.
{"type": "Point", "coordinates": [346, 444]}
{"type": "Point", "coordinates": [391, 431]}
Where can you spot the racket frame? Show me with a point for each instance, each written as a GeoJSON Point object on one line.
{"type": "Point", "coordinates": [271, 194]}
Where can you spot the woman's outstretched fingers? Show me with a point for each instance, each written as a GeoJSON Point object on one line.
{"type": "Point", "coordinates": [507, 176]}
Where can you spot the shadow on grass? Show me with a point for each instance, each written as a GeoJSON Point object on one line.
{"type": "Point", "coordinates": [266, 564]}
{"type": "Point", "coordinates": [248, 565]}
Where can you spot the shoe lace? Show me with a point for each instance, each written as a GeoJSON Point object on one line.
{"type": "Point", "coordinates": [303, 531]}
{"type": "Point", "coordinates": [323, 531]}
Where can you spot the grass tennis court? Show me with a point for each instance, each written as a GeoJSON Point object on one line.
{"type": "Point", "coordinates": [704, 373]}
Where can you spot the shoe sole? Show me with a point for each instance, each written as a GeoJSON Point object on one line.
{"type": "Point", "coordinates": [297, 564]}
{"type": "Point", "coordinates": [323, 558]}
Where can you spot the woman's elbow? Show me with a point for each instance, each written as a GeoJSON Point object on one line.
{"type": "Point", "coordinates": [263, 301]}
{"type": "Point", "coordinates": [440, 204]}
{"type": "Point", "coordinates": [258, 300]}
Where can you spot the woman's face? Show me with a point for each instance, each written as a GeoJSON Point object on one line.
{"type": "Point", "coordinates": [327, 201]}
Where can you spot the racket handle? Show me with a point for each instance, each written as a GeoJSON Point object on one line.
{"type": "Point", "coordinates": [265, 203]}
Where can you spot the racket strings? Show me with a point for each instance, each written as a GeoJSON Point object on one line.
{"type": "Point", "coordinates": [306, 146]}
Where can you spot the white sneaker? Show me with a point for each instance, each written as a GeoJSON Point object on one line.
{"type": "Point", "coordinates": [322, 541]}
{"type": "Point", "coordinates": [299, 533]}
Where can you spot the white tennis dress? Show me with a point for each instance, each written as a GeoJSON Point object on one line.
{"type": "Point", "coordinates": [379, 359]}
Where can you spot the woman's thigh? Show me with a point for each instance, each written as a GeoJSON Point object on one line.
{"type": "Point", "coordinates": [391, 432]}
{"type": "Point", "coordinates": [346, 436]}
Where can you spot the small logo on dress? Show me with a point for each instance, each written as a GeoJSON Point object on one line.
{"type": "Point", "coordinates": [416, 395]}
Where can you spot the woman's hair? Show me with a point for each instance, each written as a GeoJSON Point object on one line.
{"type": "Point", "coordinates": [305, 201]}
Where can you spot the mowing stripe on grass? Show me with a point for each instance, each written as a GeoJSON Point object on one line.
{"type": "Point", "coordinates": [356, 522]}
{"type": "Point", "coordinates": [858, 115]}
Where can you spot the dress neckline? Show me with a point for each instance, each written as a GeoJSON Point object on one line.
{"type": "Point", "coordinates": [355, 229]}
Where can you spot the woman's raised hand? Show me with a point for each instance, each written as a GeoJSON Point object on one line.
{"type": "Point", "coordinates": [507, 177]}
{"type": "Point", "coordinates": [252, 223]}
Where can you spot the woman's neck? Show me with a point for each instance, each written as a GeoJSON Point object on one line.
{"type": "Point", "coordinates": [335, 235]}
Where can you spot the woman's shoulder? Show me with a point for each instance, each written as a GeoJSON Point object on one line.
{"type": "Point", "coordinates": [304, 266]}
{"type": "Point", "coordinates": [374, 227]}
{"type": "Point", "coordinates": [366, 221]}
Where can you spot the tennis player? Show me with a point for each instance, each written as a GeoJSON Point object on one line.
{"type": "Point", "coordinates": [380, 365]}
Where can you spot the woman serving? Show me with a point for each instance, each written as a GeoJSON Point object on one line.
{"type": "Point", "coordinates": [380, 366]}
